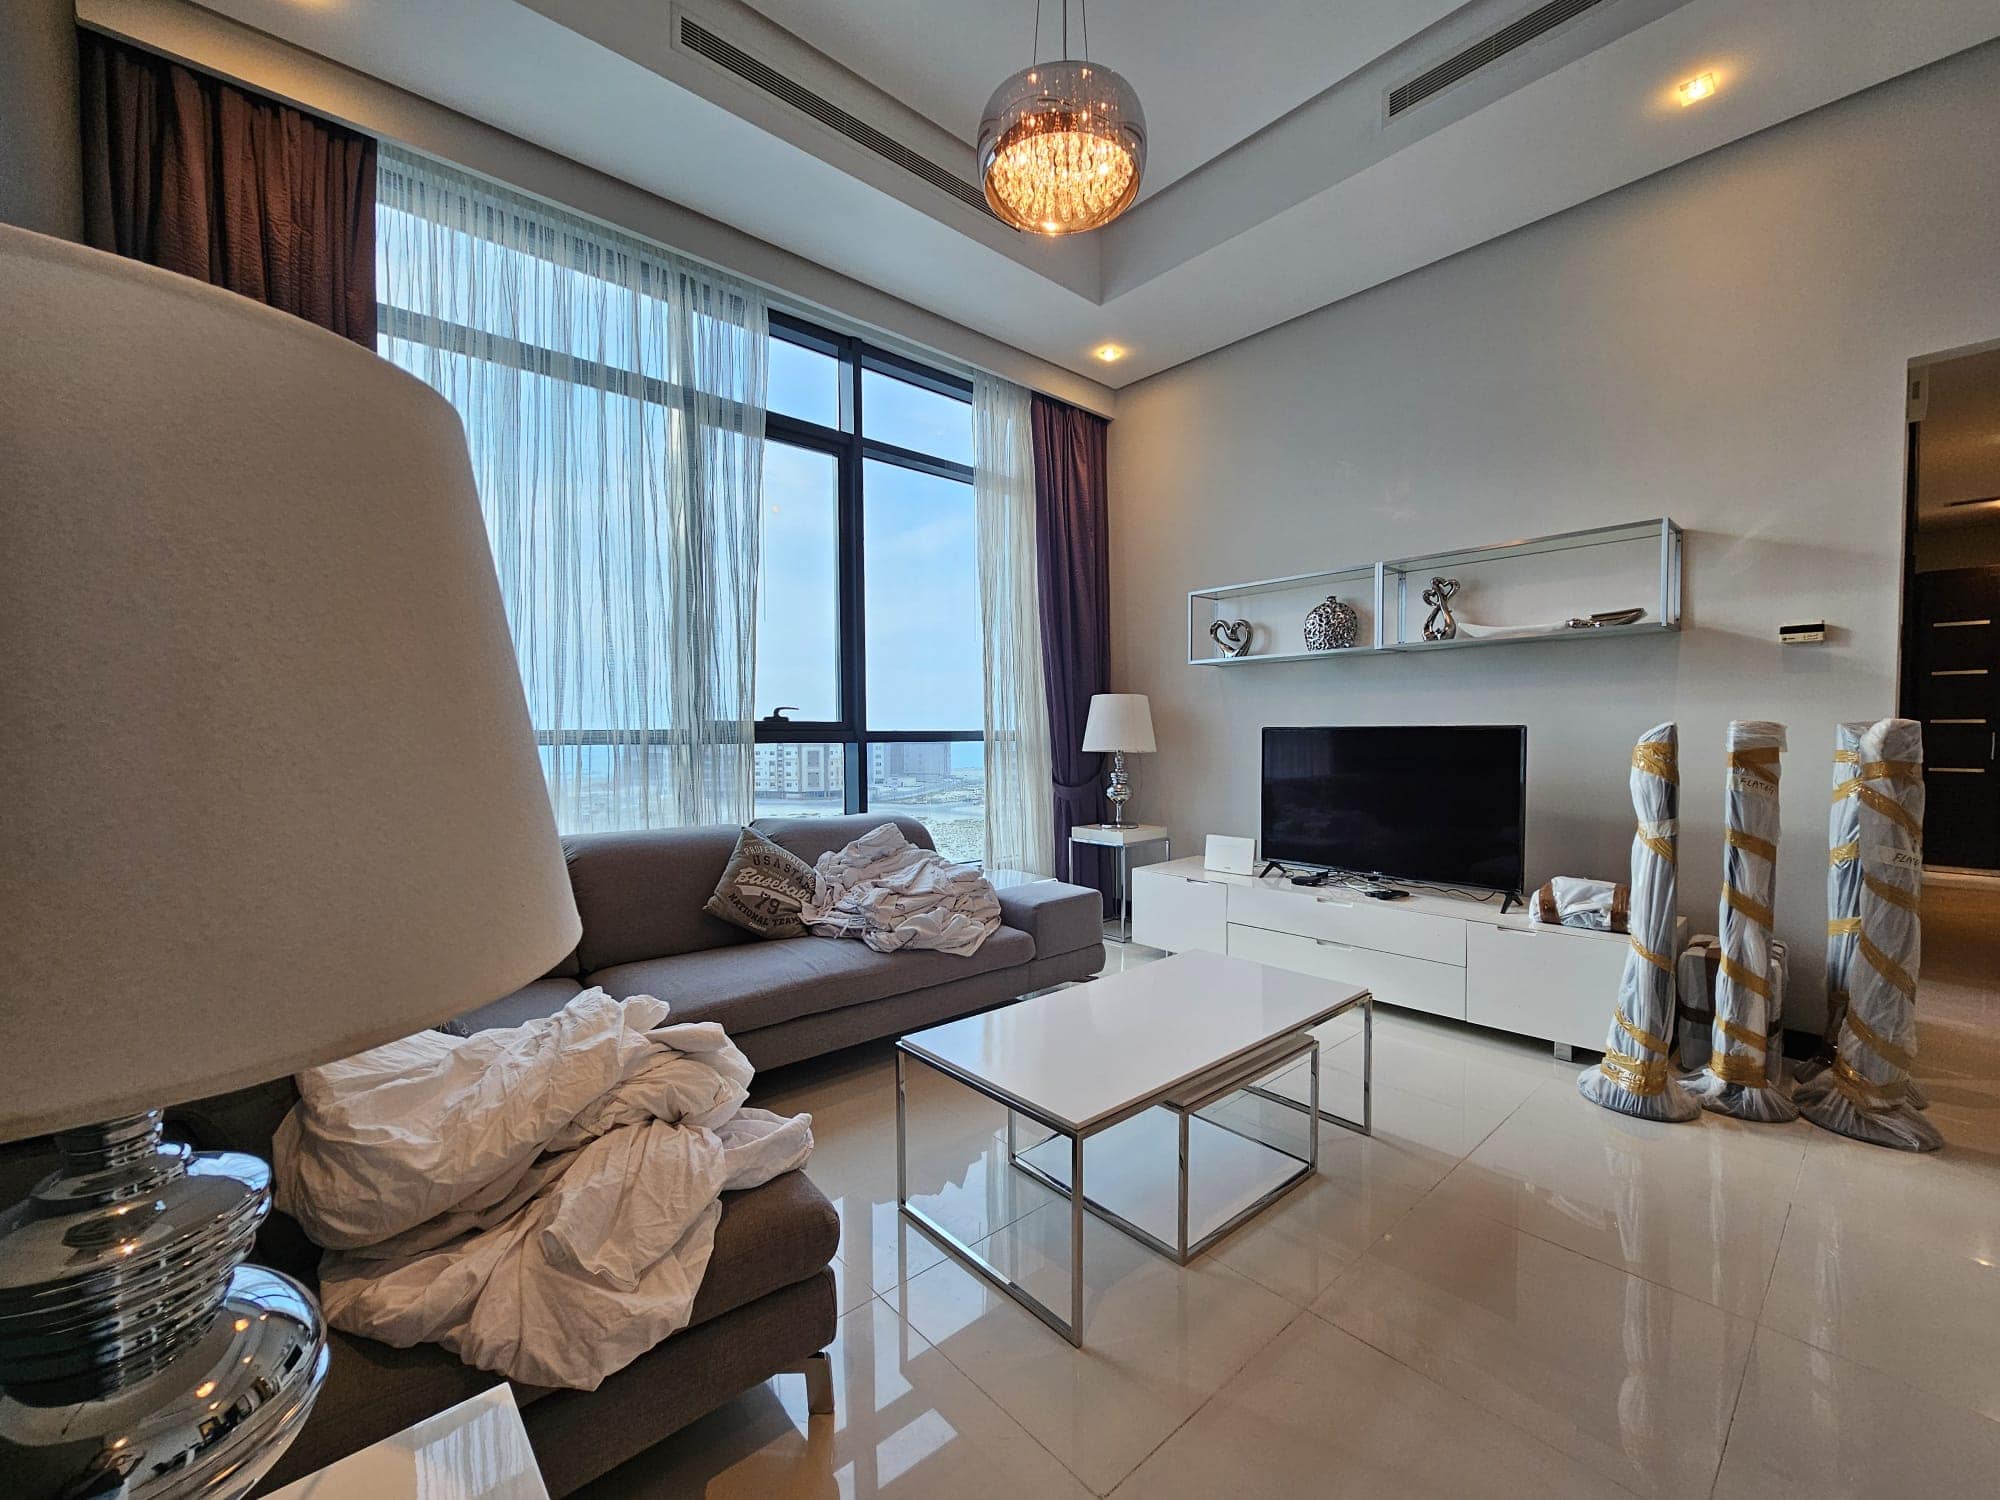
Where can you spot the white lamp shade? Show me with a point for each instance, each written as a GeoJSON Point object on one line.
{"type": "Point", "coordinates": [1119, 721]}
{"type": "Point", "coordinates": [270, 788]}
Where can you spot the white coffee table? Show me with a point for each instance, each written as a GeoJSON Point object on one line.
{"type": "Point", "coordinates": [1131, 1060]}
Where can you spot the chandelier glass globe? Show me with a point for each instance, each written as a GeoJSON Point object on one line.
{"type": "Point", "coordinates": [1061, 147]}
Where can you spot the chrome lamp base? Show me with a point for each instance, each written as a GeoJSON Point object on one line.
{"type": "Point", "coordinates": [139, 1357]}
{"type": "Point", "coordinates": [1118, 789]}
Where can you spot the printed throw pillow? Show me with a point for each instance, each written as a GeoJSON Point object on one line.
{"type": "Point", "coordinates": [762, 888]}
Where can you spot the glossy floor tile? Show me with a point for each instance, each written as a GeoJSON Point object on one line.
{"type": "Point", "coordinates": [1813, 1425]}
{"type": "Point", "coordinates": [1698, 1209]}
{"type": "Point", "coordinates": [1159, 1338]}
{"type": "Point", "coordinates": [1633, 1380]}
{"type": "Point", "coordinates": [1319, 1413]}
{"type": "Point", "coordinates": [1505, 1291]}
{"type": "Point", "coordinates": [1884, 1279]}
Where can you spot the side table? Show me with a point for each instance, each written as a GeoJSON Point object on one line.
{"type": "Point", "coordinates": [477, 1447]}
{"type": "Point", "coordinates": [1122, 837]}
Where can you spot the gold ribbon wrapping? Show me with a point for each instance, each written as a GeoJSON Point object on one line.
{"type": "Point", "coordinates": [1650, 956]}
{"type": "Point", "coordinates": [1634, 1074]}
{"type": "Point", "coordinates": [1757, 984]}
{"type": "Point", "coordinates": [1645, 1039]}
{"type": "Point", "coordinates": [1865, 1093]}
{"type": "Point", "coordinates": [1656, 758]}
{"type": "Point", "coordinates": [1756, 911]}
{"type": "Point", "coordinates": [1897, 976]}
{"type": "Point", "coordinates": [1733, 1068]}
{"type": "Point", "coordinates": [1880, 1045]}
{"type": "Point", "coordinates": [1743, 1035]}
{"type": "Point", "coordinates": [1749, 843]}
{"type": "Point", "coordinates": [1895, 895]}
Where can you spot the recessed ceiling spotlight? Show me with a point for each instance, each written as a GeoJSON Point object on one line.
{"type": "Point", "coordinates": [1694, 90]}
{"type": "Point", "coordinates": [1109, 353]}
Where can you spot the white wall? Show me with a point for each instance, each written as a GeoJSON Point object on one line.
{"type": "Point", "coordinates": [1725, 343]}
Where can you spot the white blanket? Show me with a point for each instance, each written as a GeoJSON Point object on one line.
{"type": "Point", "coordinates": [541, 1200]}
{"type": "Point", "coordinates": [889, 893]}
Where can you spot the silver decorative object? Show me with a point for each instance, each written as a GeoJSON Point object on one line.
{"type": "Point", "coordinates": [1439, 625]}
{"type": "Point", "coordinates": [1233, 636]}
{"type": "Point", "coordinates": [140, 1358]}
{"type": "Point", "coordinates": [1604, 619]}
{"type": "Point", "coordinates": [1331, 625]}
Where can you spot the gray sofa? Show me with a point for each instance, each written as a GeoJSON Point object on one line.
{"type": "Point", "coordinates": [767, 1301]}
{"type": "Point", "coordinates": [645, 933]}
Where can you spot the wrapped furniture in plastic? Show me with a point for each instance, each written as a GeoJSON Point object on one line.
{"type": "Point", "coordinates": [1736, 1080]}
{"type": "Point", "coordinates": [1865, 1092]}
{"type": "Point", "coordinates": [1636, 1076]}
{"type": "Point", "coordinates": [1694, 998]}
{"type": "Point", "coordinates": [1695, 975]}
{"type": "Point", "coordinates": [1843, 899]}
{"type": "Point", "coordinates": [1573, 901]}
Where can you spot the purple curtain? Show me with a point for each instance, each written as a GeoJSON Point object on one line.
{"type": "Point", "coordinates": [184, 171]}
{"type": "Point", "coordinates": [1072, 536]}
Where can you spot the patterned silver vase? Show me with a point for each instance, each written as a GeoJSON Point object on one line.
{"type": "Point", "coordinates": [1331, 626]}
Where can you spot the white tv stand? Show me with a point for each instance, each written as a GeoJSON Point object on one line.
{"type": "Point", "coordinates": [1444, 954]}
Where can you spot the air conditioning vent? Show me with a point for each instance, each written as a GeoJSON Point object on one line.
{"type": "Point", "coordinates": [1490, 49]}
{"type": "Point", "coordinates": [699, 40]}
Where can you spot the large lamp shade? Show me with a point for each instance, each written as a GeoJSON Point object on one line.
{"type": "Point", "coordinates": [1119, 721]}
{"type": "Point", "coordinates": [270, 789]}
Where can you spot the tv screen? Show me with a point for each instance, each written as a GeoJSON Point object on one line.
{"type": "Point", "coordinates": [1435, 804]}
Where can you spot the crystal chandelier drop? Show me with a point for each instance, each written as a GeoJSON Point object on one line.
{"type": "Point", "coordinates": [1062, 144]}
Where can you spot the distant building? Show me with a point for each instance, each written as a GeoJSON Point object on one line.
{"type": "Point", "coordinates": [811, 770]}
{"type": "Point", "coordinates": [922, 761]}
{"type": "Point", "coordinates": [817, 770]}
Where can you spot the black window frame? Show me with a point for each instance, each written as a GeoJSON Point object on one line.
{"type": "Point", "coordinates": [852, 452]}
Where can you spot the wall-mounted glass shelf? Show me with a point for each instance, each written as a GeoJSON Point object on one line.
{"type": "Point", "coordinates": [1507, 593]}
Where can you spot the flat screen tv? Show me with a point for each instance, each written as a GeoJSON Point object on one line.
{"type": "Point", "coordinates": [1434, 804]}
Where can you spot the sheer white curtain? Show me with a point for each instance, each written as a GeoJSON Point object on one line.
{"type": "Point", "coordinates": [1020, 816]}
{"type": "Point", "coordinates": [613, 395]}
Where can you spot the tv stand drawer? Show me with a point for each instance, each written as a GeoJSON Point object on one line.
{"type": "Point", "coordinates": [1354, 920]}
{"type": "Point", "coordinates": [1178, 913]}
{"type": "Point", "coordinates": [1414, 983]}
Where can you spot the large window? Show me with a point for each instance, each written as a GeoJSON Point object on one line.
{"type": "Point", "coordinates": [869, 695]}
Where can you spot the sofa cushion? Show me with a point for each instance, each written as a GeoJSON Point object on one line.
{"type": "Point", "coordinates": [764, 985]}
{"type": "Point", "coordinates": [529, 1003]}
{"type": "Point", "coordinates": [763, 888]}
{"type": "Point", "coordinates": [1060, 917]}
{"type": "Point", "coordinates": [809, 838]}
{"type": "Point", "coordinates": [768, 1238]}
{"type": "Point", "coordinates": [640, 894]}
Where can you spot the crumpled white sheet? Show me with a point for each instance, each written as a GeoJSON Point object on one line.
{"type": "Point", "coordinates": [541, 1200]}
{"type": "Point", "coordinates": [889, 893]}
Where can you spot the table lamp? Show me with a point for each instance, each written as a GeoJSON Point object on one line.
{"type": "Point", "coordinates": [271, 796]}
{"type": "Point", "coordinates": [1122, 724]}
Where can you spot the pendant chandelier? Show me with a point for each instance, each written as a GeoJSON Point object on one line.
{"type": "Point", "coordinates": [1062, 144]}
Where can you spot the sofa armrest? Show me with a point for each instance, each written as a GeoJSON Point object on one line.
{"type": "Point", "coordinates": [1061, 918]}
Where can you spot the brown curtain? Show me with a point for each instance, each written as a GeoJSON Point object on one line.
{"type": "Point", "coordinates": [1072, 536]}
{"type": "Point", "coordinates": [187, 172]}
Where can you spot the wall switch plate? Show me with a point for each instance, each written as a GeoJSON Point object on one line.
{"type": "Point", "coordinates": [1803, 634]}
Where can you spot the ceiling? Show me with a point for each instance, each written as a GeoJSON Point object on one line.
{"type": "Point", "coordinates": [1958, 456]}
{"type": "Point", "coordinates": [1206, 79]}
{"type": "Point", "coordinates": [1276, 184]}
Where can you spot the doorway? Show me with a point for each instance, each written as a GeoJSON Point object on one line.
{"type": "Point", "coordinates": [1951, 604]}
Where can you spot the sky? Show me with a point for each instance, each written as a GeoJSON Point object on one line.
{"type": "Point", "coordinates": [920, 560]}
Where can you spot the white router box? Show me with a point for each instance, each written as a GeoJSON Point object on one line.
{"type": "Point", "coordinates": [1229, 855]}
